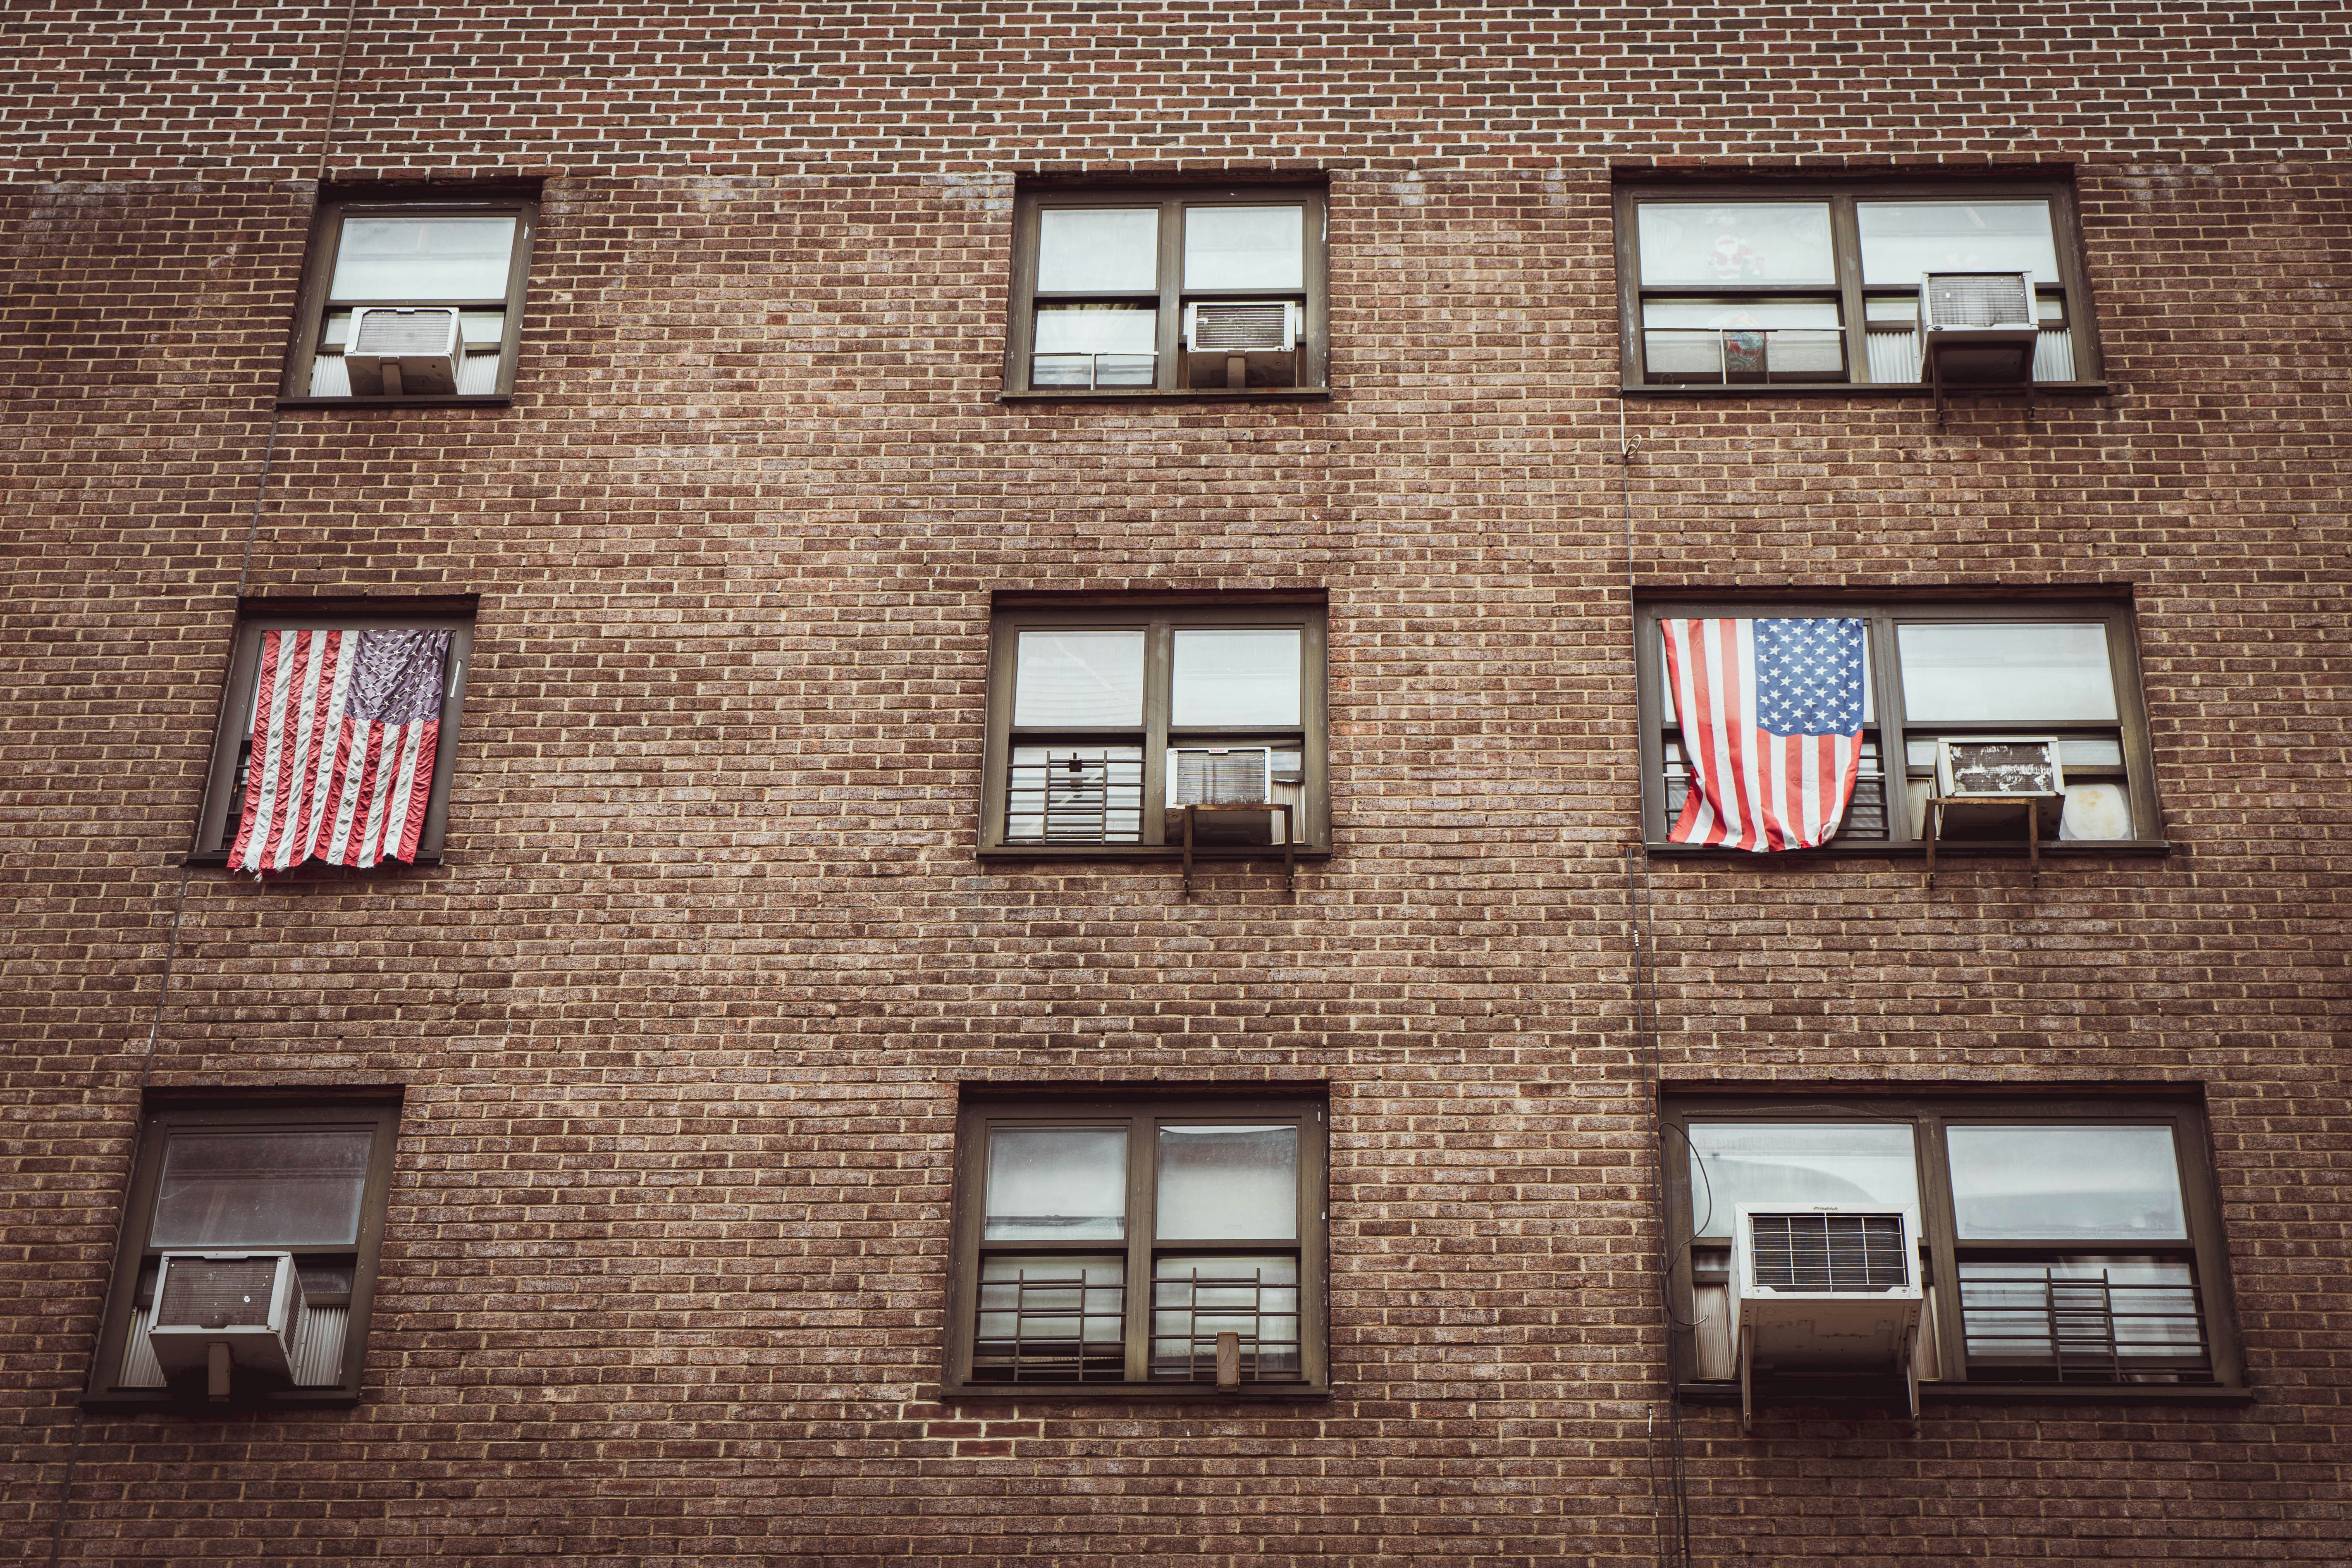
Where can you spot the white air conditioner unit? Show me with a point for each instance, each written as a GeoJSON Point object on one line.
{"type": "Point", "coordinates": [1824, 1288]}
{"type": "Point", "coordinates": [215, 1309]}
{"type": "Point", "coordinates": [1242, 326]}
{"type": "Point", "coordinates": [412, 352]}
{"type": "Point", "coordinates": [1978, 327]}
{"type": "Point", "coordinates": [1219, 775]}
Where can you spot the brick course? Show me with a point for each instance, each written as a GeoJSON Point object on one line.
{"type": "Point", "coordinates": [682, 1020]}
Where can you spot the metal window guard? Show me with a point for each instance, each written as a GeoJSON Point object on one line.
{"type": "Point", "coordinates": [1060, 1351]}
{"type": "Point", "coordinates": [1231, 1356]}
{"type": "Point", "coordinates": [1074, 799]}
{"type": "Point", "coordinates": [1290, 841]}
{"type": "Point", "coordinates": [2082, 1327]}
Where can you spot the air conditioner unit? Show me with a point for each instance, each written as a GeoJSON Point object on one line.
{"type": "Point", "coordinates": [1978, 327]}
{"type": "Point", "coordinates": [1219, 775]}
{"type": "Point", "coordinates": [409, 353]}
{"type": "Point", "coordinates": [1242, 326]}
{"type": "Point", "coordinates": [1824, 1290]}
{"type": "Point", "coordinates": [215, 1309]}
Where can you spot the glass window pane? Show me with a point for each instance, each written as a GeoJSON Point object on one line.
{"type": "Point", "coordinates": [1096, 328]}
{"type": "Point", "coordinates": [1797, 1163]}
{"type": "Point", "coordinates": [1244, 248]}
{"type": "Point", "coordinates": [2006, 672]}
{"type": "Point", "coordinates": [1735, 242]}
{"type": "Point", "coordinates": [1075, 794]}
{"type": "Point", "coordinates": [1081, 678]}
{"type": "Point", "coordinates": [1900, 240]}
{"type": "Point", "coordinates": [1228, 1181]}
{"type": "Point", "coordinates": [1050, 1319]}
{"type": "Point", "coordinates": [1097, 250]}
{"type": "Point", "coordinates": [2105, 1309]}
{"type": "Point", "coordinates": [2060, 1183]}
{"type": "Point", "coordinates": [1233, 678]}
{"type": "Point", "coordinates": [1719, 315]}
{"type": "Point", "coordinates": [424, 258]}
{"type": "Point", "coordinates": [261, 1189]}
{"type": "Point", "coordinates": [1057, 1184]}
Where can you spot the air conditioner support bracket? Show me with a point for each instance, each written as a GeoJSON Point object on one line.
{"type": "Point", "coordinates": [1934, 824]}
{"type": "Point", "coordinates": [1935, 379]}
{"type": "Point", "coordinates": [1747, 1391]}
{"type": "Point", "coordinates": [1290, 841]}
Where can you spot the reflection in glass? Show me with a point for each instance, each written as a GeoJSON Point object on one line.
{"type": "Point", "coordinates": [1194, 1299]}
{"type": "Point", "coordinates": [2062, 1183]}
{"type": "Point", "coordinates": [1096, 328]}
{"type": "Point", "coordinates": [1797, 1163]}
{"type": "Point", "coordinates": [1112, 250]}
{"type": "Point", "coordinates": [1078, 678]}
{"type": "Point", "coordinates": [1702, 243]}
{"type": "Point", "coordinates": [1720, 314]}
{"type": "Point", "coordinates": [1231, 677]}
{"type": "Point", "coordinates": [424, 258]}
{"type": "Point", "coordinates": [1244, 248]}
{"type": "Point", "coordinates": [261, 1189]}
{"type": "Point", "coordinates": [1900, 240]}
{"type": "Point", "coordinates": [2006, 672]}
{"type": "Point", "coordinates": [1057, 1184]}
{"type": "Point", "coordinates": [1218, 1182]}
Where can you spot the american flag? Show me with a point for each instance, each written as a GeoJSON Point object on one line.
{"type": "Point", "coordinates": [345, 726]}
{"type": "Point", "coordinates": [1772, 725]}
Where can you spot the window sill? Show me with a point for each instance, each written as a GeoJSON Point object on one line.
{"type": "Point", "coordinates": [298, 1399]}
{"type": "Point", "coordinates": [317, 871]}
{"type": "Point", "coordinates": [1861, 389]}
{"type": "Point", "coordinates": [2005, 1394]}
{"type": "Point", "coordinates": [1946, 849]}
{"type": "Point", "coordinates": [484, 400]}
{"type": "Point", "coordinates": [1129, 1393]}
{"type": "Point", "coordinates": [1184, 395]}
{"type": "Point", "coordinates": [1155, 853]}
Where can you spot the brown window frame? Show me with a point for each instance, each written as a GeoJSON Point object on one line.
{"type": "Point", "coordinates": [319, 269]}
{"type": "Point", "coordinates": [2071, 290]}
{"type": "Point", "coordinates": [1314, 351]}
{"type": "Point", "coordinates": [1141, 1114]}
{"type": "Point", "coordinates": [1883, 612]}
{"type": "Point", "coordinates": [1160, 616]}
{"type": "Point", "coordinates": [232, 733]}
{"type": "Point", "coordinates": [376, 1111]}
{"type": "Point", "coordinates": [1929, 1114]}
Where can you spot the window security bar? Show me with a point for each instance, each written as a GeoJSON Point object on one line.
{"type": "Point", "coordinates": [1076, 800]}
{"type": "Point", "coordinates": [1744, 354]}
{"type": "Point", "coordinates": [1189, 1311]}
{"type": "Point", "coordinates": [1091, 371]}
{"type": "Point", "coordinates": [1065, 1329]}
{"type": "Point", "coordinates": [2088, 1327]}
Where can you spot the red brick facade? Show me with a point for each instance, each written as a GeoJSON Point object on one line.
{"type": "Point", "coordinates": [682, 1022]}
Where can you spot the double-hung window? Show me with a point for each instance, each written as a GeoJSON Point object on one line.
{"type": "Point", "coordinates": [2065, 1242]}
{"type": "Point", "coordinates": [1122, 729]}
{"type": "Point", "coordinates": [1158, 289]}
{"type": "Point", "coordinates": [1159, 1245]}
{"type": "Point", "coordinates": [409, 299]}
{"type": "Point", "coordinates": [1759, 283]}
{"type": "Point", "coordinates": [2056, 675]}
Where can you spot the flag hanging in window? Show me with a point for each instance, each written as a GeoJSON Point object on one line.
{"type": "Point", "coordinates": [1772, 728]}
{"type": "Point", "coordinates": [345, 727]}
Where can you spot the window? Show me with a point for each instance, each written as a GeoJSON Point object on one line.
{"type": "Point", "coordinates": [1191, 290]}
{"type": "Point", "coordinates": [1113, 729]}
{"type": "Point", "coordinates": [2065, 671]}
{"type": "Point", "coordinates": [412, 299]}
{"type": "Point", "coordinates": [1126, 1246]}
{"type": "Point", "coordinates": [337, 738]}
{"type": "Point", "coordinates": [254, 1227]}
{"type": "Point", "coordinates": [2065, 1242]}
{"type": "Point", "coordinates": [1765, 283]}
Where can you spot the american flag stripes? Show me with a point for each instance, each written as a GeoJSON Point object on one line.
{"type": "Point", "coordinates": [345, 728]}
{"type": "Point", "coordinates": [1772, 716]}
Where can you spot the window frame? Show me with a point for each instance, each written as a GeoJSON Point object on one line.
{"type": "Point", "coordinates": [1141, 1114]}
{"type": "Point", "coordinates": [232, 726]}
{"type": "Point", "coordinates": [1160, 616]}
{"type": "Point", "coordinates": [378, 1112]}
{"type": "Point", "coordinates": [1171, 198]}
{"type": "Point", "coordinates": [1929, 1114]}
{"type": "Point", "coordinates": [1883, 613]}
{"type": "Point", "coordinates": [313, 302]}
{"type": "Point", "coordinates": [2073, 287]}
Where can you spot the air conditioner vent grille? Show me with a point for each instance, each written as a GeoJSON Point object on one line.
{"type": "Point", "coordinates": [1221, 778]}
{"type": "Point", "coordinates": [405, 332]}
{"type": "Point", "coordinates": [1235, 328]}
{"type": "Point", "coordinates": [218, 1293]}
{"type": "Point", "coordinates": [1829, 1252]}
{"type": "Point", "coordinates": [1980, 299]}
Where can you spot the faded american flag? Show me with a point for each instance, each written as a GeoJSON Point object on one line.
{"type": "Point", "coordinates": [1772, 723]}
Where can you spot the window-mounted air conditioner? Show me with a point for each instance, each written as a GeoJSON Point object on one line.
{"type": "Point", "coordinates": [1981, 327]}
{"type": "Point", "coordinates": [218, 1309]}
{"type": "Point", "coordinates": [1232, 776]}
{"type": "Point", "coordinates": [1824, 1290]}
{"type": "Point", "coordinates": [1242, 326]}
{"type": "Point", "coordinates": [412, 352]}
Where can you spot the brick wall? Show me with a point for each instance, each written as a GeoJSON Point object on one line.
{"type": "Point", "coordinates": [683, 1018]}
